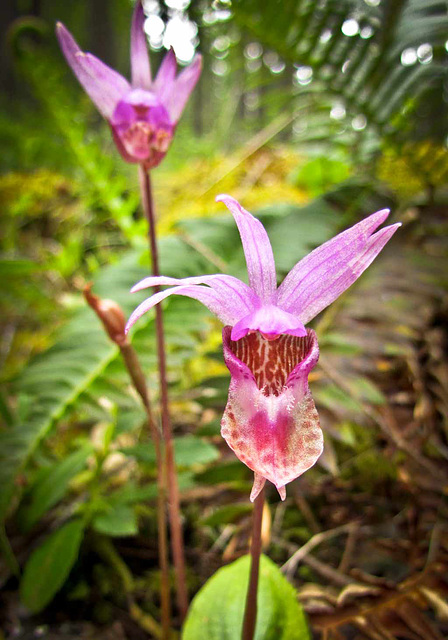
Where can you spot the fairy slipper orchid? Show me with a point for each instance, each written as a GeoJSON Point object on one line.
{"type": "Point", "coordinates": [142, 114]}
{"type": "Point", "coordinates": [270, 420]}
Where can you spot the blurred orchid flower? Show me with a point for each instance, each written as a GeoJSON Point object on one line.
{"type": "Point", "coordinates": [142, 115]}
{"type": "Point", "coordinates": [270, 420]}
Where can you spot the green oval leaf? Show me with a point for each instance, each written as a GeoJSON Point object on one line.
{"type": "Point", "coordinates": [49, 566]}
{"type": "Point", "coordinates": [118, 521]}
{"type": "Point", "coordinates": [217, 610]}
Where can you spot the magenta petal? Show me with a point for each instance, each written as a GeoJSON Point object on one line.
{"type": "Point", "coordinates": [176, 99]}
{"type": "Point", "coordinates": [257, 249]}
{"type": "Point", "coordinates": [270, 321]}
{"type": "Point", "coordinates": [270, 420]}
{"type": "Point", "coordinates": [166, 74]}
{"type": "Point", "coordinates": [104, 86]}
{"type": "Point", "coordinates": [142, 128]}
{"type": "Point", "coordinates": [127, 157]}
{"type": "Point", "coordinates": [140, 66]}
{"type": "Point", "coordinates": [323, 275]}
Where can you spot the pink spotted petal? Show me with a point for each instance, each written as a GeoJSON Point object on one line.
{"type": "Point", "coordinates": [104, 86]}
{"type": "Point", "coordinates": [270, 420]}
{"type": "Point", "coordinates": [270, 321]}
{"type": "Point", "coordinates": [257, 249]}
{"type": "Point", "coordinates": [163, 84]}
{"type": "Point", "coordinates": [323, 275]}
{"type": "Point", "coordinates": [140, 66]}
{"type": "Point", "coordinates": [181, 89]}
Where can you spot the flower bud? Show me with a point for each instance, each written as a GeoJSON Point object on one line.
{"type": "Point", "coordinates": [110, 314]}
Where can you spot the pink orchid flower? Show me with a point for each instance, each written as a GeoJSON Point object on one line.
{"type": "Point", "coordinates": [270, 420]}
{"type": "Point", "coordinates": [142, 115]}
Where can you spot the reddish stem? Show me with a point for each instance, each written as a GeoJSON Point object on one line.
{"type": "Point", "coordinates": [177, 544]}
{"type": "Point", "coordinates": [114, 322]}
{"type": "Point", "coordinates": [250, 613]}
{"type": "Point", "coordinates": [135, 371]}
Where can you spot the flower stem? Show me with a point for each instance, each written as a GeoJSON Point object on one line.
{"type": "Point", "coordinates": [177, 544]}
{"type": "Point", "coordinates": [250, 613]}
{"type": "Point", "coordinates": [113, 320]}
{"type": "Point", "coordinates": [135, 371]}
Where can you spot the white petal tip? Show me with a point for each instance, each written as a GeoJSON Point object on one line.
{"type": "Point", "coordinates": [129, 324]}
{"type": "Point", "coordinates": [222, 197]}
{"type": "Point", "coordinates": [383, 213]}
{"type": "Point", "coordinates": [255, 491]}
{"type": "Point", "coordinates": [282, 492]}
{"type": "Point", "coordinates": [258, 485]}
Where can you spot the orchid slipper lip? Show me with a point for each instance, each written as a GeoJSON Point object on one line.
{"type": "Point", "coordinates": [270, 420]}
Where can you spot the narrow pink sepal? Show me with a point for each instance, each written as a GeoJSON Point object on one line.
{"type": "Point", "coordinates": [140, 65]}
{"type": "Point", "coordinates": [163, 84]}
{"type": "Point", "coordinates": [324, 274]}
{"type": "Point", "coordinates": [223, 308]}
{"type": "Point", "coordinates": [104, 86]}
{"type": "Point", "coordinates": [278, 435]}
{"type": "Point", "coordinates": [229, 297]}
{"type": "Point", "coordinates": [257, 250]}
{"type": "Point", "coordinates": [228, 285]}
{"type": "Point", "coordinates": [181, 89]}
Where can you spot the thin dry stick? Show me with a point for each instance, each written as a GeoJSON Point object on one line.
{"type": "Point", "coordinates": [323, 569]}
{"type": "Point", "coordinates": [250, 613]}
{"type": "Point", "coordinates": [113, 320]}
{"type": "Point", "coordinates": [177, 544]}
{"type": "Point", "coordinates": [291, 565]}
{"type": "Point", "coordinates": [350, 547]}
